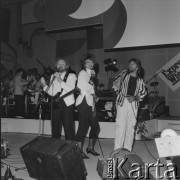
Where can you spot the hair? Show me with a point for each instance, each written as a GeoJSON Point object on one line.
{"type": "Point", "coordinates": [21, 70]}
{"type": "Point", "coordinates": [85, 57]}
{"type": "Point", "coordinates": [140, 71]}
{"type": "Point", "coordinates": [67, 63]}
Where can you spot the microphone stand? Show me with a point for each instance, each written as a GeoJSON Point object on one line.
{"type": "Point", "coordinates": [40, 105]}
{"type": "Point", "coordinates": [40, 113]}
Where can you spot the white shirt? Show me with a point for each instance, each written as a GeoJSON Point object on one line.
{"type": "Point", "coordinates": [66, 86]}
{"type": "Point", "coordinates": [86, 89]}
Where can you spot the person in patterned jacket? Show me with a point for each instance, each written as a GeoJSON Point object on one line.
{"type": "Point", "coordinates": [130, 87]}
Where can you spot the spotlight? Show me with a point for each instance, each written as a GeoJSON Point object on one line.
{"type": "Point", "coordinates": [114, 62]}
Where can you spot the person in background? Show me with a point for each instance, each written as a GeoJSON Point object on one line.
{"type": "Point", "coordinates": [62, 82]}
{"type": "Point", "coordinates": [130, 88]}
{"type": "Point", "coordinates": [31, 78]}
{"type": "Point", "coordinates": [7, 87]}
{"type": "Point", "coordinates": [19, 86]}
{"type": "Point", "coordinates": [38, 87]}
{"type": "Point", "coordinates": [85, 103]}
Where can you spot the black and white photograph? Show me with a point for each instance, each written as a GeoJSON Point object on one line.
{"type": "Point", "coordinates": [90, 89]}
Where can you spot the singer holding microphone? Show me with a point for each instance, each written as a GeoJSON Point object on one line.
{"type": "Point", "coordinates": [130, 88]}
{"type": "Point", "coordinates": [85, 103]}
{"type": "Point", "coordinates": [62, 111]}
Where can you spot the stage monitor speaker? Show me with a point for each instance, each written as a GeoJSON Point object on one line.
{"type": "Point", "coordinates": [53, 159]}
{"type": "Point", "coordinates": [110, 169]}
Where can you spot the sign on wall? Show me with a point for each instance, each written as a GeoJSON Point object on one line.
{"type": "Point", "coordinates": [170, 72]}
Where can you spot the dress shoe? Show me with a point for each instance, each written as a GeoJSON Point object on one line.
{"type": "Point", "coordinates": [84, 156]}
{"type": "Point", "coordinates": [92, 151]}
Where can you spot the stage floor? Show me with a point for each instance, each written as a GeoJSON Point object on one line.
{"type": "Point", "coordinates": [43, 127]}
{"type": "Point", "coordinates": [145, 149]}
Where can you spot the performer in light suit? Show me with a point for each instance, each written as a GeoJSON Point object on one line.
{"type": "Point", "coordinates": [85, 103]}
{"type": "Point", "coordinates": [62, 114]}
{"type": "Point", "coordinates": [131, 89]}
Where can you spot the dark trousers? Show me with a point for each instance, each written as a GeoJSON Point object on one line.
{"type": "Point", "coordinates": [86, 120]}
{"type": "Point", "coordinates": [63, 115]}
{"type": "Point", "coordinates": [19, 105]}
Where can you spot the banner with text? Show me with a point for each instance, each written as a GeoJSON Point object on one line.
{"type": "Point", "coordinates": [170, 72]}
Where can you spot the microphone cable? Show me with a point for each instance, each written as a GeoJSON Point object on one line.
{"type": "Point", "coordinates": [143, 140]}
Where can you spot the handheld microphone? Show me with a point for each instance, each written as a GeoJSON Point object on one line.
{"type": "Point", "coordinates": [93, 73]}
{"type": "Point", "coordinates": [92, 78]}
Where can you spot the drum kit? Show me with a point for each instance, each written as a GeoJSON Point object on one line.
{"type": "Point", "coordinates": [153, 104]}
{"type": "Point", "coordinates": [155, 91]}
{"type": "Point", "coordinates": [156, 103]}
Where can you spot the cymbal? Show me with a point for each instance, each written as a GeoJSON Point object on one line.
{"type": "Point", "coordinates": [153, 92]}
{"type": "Point", "coordinates": [154, 84]}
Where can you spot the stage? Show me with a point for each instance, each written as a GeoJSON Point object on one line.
{"type": "Point", "coordinates": [42, 127]}
{"type": "Point", "coordinates": [18, 132]}
{"type": "Point", "coordinates": [145, 149]}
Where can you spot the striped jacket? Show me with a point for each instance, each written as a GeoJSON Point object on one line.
{"type": "Point", "coordinates": [121, 86]}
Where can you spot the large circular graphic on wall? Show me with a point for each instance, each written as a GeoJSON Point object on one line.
{"type": "Point", "coordinates": [114, 24]}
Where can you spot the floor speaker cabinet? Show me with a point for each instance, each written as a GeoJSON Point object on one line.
{"type": "Point", "coordinates": [53, 159]}
{"type": "Point", "coordinates": [120, 165]}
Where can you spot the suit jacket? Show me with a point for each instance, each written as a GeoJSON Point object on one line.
{"type": "Point", "coordinates": [121, 85]}
{"type": "Point", "coordinates": [86, 89]}
{"type": "Point", "coordinates": [66, 86]}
